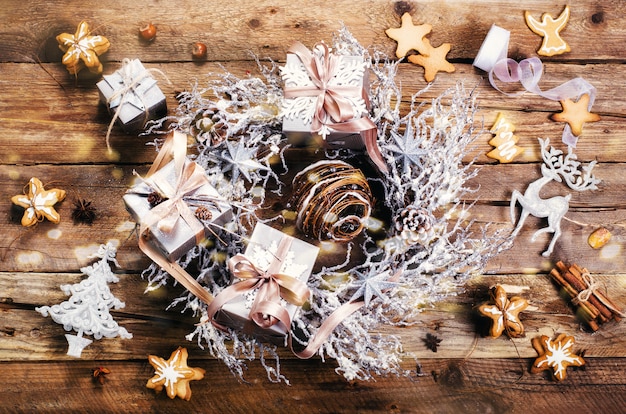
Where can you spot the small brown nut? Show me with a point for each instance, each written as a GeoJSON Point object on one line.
{"type": "Point", "coordinates": [148, 32]}
{"type": "Point", "coordinates": [599, 238]}
{"type": "Point", "coordinates": [198, 51]}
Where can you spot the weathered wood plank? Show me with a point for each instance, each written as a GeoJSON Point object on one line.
{"type": "Point", "coordinates": [525, 254]}
{"type": "Point", "coordinates": [68, 124]}
{"type": "Point", "coordinates": [65, 247]}
{"type": "Point", "coordinates": [468, 386]}
{"type": "Point", "coordinates": [497, 182]}
{"type": "Point", "coordinates": [52, 126]}
{"type": "Point", "coordinates": [26, 335]}
{"type": "Point", "coordinates": [266, 28]}
{"type": "Point", "coordinates": [62, 98]}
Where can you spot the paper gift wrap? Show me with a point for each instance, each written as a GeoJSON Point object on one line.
{"type": "Point", "coordinates": [133, 92]}
{"type": "Point", "coordinates": [297, 263]}
{"type": "Point", "coordinates": [298, 112]}
{"type": "Point", "coordinates": [180, 239]}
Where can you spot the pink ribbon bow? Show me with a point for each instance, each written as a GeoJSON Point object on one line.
{"type": "Point", "coordinates": [266, 310]}
{"type": "Point", "coordinates": [332, 109]}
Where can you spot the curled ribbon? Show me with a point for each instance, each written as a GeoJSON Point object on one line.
{"type": "Point", "coordinates": [333, 320]}
{"type": "Point", "coordinates": [492, 58]}
{"type": "Point", "coordinates": [189, 177]}
{"type": "Point", "coordinates": [332, 109]}
{"type": "Point", "coordinates": [131, 89]}
{"type": "Point", "coordinates": [266, 310]}
{"type": "Point", "coordinates": [584, 295]}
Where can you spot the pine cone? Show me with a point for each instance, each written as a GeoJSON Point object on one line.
{"type": "Point", "coordinates": [154, 199]}
{"type": "Point", "coordinates": [203, 213]}
{"type": "Point", "coordinates": [415, 225]}
{"type": "Point", "coordinates": [207, 125]}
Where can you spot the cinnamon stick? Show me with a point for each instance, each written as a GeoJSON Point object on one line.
{"type": "Point", "coordinates": [597, 308]}
{"type": "Point", "coordinates": [580, 284]}
{"type": "Point", "coordinates": [603, 298]}
{"type": "Point", "coordinates": [574, 278]}
{"type": "Point", "coordinates": [590, 312]}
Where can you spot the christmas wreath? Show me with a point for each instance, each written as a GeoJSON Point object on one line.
{"type": "Point", "coordinates": [401, 239]}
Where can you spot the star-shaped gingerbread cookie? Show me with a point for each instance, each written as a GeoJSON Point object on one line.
{"type": "Point", "coordinates": [576, 114]}
{"type": "Point", "coordinates": [39, 203]}
{"type": "Point", "coordinates": [82, 50]}
{"type": "Point", "coordinates": [433, 60]}
{"type": "Point", "coordinates": [174, 374]}
{"type": "Point", "coordinates": [556, 354]}
{"type": "Point", "coordinates": [504, 313]}
{"type": "Point", "coordinates": [409, 36]}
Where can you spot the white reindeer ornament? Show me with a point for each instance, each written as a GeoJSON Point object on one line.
{"type": "Point", "coordinates": [557, 167]}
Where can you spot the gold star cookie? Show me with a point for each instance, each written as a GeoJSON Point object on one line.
{"type": "Point", "coordinates": [576, 114]}
{"type": "Point", "coordinates": [433, 60]}
{"type": "Point", "coordinates": [549, 28]}
{"type": "Point", "coordinates": [39, 203]}
{"type": "Point", "coordinates": [82, 50]}
{"type": "Point", "coordinates": [173, 374]}
{"type": "Point", "coordinates": [409, 36]}
{"type": "Point", "coordinates": [504, 313]}
{"type": "Point", "coordinates": [555, 354]}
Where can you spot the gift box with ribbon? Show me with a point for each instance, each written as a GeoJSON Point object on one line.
{"type": "Point", "coordinates": [132, 96]}
{"type": "Point", "coordinates": [176, 206]}
{"type": "Point", "coordinates": [269, 287]}
{"type": "Point", "coordinates": [324, 96]}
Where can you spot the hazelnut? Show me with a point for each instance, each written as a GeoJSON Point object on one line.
{"type": "Point", "coordinates": [198, 50]}
{"type": "Point", "coordinates": [599, 238]}
{"type": "Point", "coordinates": [148, 32]}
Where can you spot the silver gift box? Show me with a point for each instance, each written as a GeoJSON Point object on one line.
{"type": "Point", "coordinates": [296, 122]}
{"type": "Point", "coordinates": [173, 244]}
{"type": "Point", "coordinates": [142, 103]}
{"type": "Point", "coordinates": [299, 263]}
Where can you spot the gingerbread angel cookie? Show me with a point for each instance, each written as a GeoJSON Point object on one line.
{"type": "Point", "coordinates": [549, 28]}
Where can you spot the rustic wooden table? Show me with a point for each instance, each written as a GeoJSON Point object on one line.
{"type": "Point", "coordinates": [52, 127]}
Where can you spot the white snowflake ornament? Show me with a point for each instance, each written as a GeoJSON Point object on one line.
{"type": "Point", "coordinates": [241, 160]}
{"type": "Point", "coordinates": [407, 148]}
{"type": "Point", "coordinates": [373, 287]}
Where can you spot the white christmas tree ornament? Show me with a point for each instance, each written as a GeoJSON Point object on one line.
{"type": "Point", "coordinates": [87, 310]}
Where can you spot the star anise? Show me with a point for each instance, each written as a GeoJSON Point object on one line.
{"type": "Point", "coordinates": [432, 342]}
{"type": "Point", "coordinates": [83, 211]}
{"type": "Point", "coordinates": [99, 374]}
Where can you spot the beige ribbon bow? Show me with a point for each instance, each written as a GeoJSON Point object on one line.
{"type": "Point", "coordinates": [266, 309]}
{"type": "Point", "coordinates": [188, 178]}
